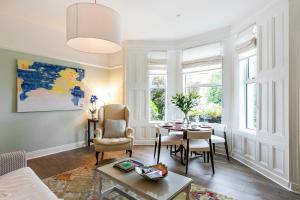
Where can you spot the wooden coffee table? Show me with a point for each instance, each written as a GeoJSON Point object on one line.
{"type": "Point", "coordinates": [167, 188]}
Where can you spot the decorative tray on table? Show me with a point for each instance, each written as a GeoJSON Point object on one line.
{"type": "Point", "coordinates": [153, 172]}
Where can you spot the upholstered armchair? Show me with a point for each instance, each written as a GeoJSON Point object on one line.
{"type": "Point", "coordinates": [114, 133]}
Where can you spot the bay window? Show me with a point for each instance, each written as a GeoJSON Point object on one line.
{"type": "Point", "coordinates": [202, 72]}
{"type": "Point", "coordinates": [157, 74]}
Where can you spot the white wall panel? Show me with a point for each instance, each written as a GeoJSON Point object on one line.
{"type": "Point", "coordinates": [237, 143]}
{"type": "Point", "coordinates": [263, 105]}
{"type": "Point", "coordinates": [268, 146]}
{"type": "Point", "coordinates": [263, 154]}
{"type": "Point", "coordinates": [278, 159]}
{"type": "Point", "coordinates": [249, 146]}
{"type": "Point", "coordinates": [277, 107]}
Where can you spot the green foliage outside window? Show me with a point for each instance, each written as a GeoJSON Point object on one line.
{"type": "Point", "coordinates": [210, 105]}
{"type": "Point", "coordinates": [157, 98]}
{"type": "Point", "coordinates": [157, 104]}
{"type": "Point", "coordinates": [215, 93]}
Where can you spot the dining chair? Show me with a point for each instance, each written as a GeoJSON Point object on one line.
{"type": "Point", "coordinates": [164, 140]}
{"type": "Point", "coordinates": [219, 137]}
{"type": "Point", "coordinates": [198, 141]}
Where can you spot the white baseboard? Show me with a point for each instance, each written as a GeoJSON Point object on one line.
{"type": "Point", "coordinates": [265, 172]}
{"type": "Point", "coordinates": [53, 150]}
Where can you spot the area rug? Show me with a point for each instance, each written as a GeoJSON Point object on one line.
{"type": "Point", "coordinates": [82, 184]}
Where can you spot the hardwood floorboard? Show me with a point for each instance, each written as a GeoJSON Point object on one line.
{"type": "Point", "coordinates": [231, 178]}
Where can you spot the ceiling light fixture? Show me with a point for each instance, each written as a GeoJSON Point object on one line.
{"type": "Point", "coordinates": [93, 28]}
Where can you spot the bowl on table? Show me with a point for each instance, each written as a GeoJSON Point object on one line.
{"type": "Point", "coordinates": [153, 172]}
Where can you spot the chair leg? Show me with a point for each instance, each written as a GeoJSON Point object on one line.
{"type": "Point", "coordinates": [102, 156]}
{"type": "Point", "coordinates": [211, 157]}
{"type": "Point", "coordinates": [97, 157]}
{"type": "Point", "coordinates": [214, 148]}
{"type": "Point", "coordinates": [130, 153]}
{"type": "Point", "coordinates": [207, 153]}
{"type": "Point", "coordinates": [158, 152]}
{"type": "Point", "coordinates": [175, 149]}
{"type": "Point", "coordinates": [204, 157]}
{"type": "Point", "coordinates": [212, 162]}
{"type": "Point", "coordinates": [226, 148]}
{"type": "Point", "coordinates": [186, 160]}
{"type": "Point", "coordinates": [171, 146]}
{"type": "Point", "coordinates": [155, 146]}
{"type": "Point", "coordinates": [181, 154]}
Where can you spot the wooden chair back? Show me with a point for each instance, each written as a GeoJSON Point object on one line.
{"type": "Point", "coordinates": [157, 130]}
{"type": "Point", "coordinates": [202, 134]}
{"type": "Point", "coordinates": [219, 129]}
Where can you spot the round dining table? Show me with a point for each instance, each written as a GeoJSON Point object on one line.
{"type": "Point", "coordinates": [179, 127]}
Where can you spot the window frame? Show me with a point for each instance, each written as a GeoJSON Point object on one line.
{"type": "Point", "coordinates": [204, 85]}
{"type": "Point", "coordinates": [247, 81]}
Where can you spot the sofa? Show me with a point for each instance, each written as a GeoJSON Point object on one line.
{"type": "Point", "coordinates": [17, 181]}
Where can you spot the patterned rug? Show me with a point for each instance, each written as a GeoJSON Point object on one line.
{"type": "Point", "coordinates": [82, 184]}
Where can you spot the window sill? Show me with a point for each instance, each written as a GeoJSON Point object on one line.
{"type": "Point", "coordinates": [156, 122]}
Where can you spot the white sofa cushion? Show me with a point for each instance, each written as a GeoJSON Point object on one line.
{"type": "Point", "coordinates": [23, 184]}
{"type": "Point", "coordinates": [114, 128]}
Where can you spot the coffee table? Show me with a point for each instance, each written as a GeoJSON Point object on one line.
{"type": "Point", "coordinates": [164, 189]}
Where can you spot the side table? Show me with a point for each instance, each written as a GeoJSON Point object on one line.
{"type": "Point", "coordinates": [94, 121]}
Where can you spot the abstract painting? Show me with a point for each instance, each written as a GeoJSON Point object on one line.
{"type": "Point", "coordinates": [48, 87]}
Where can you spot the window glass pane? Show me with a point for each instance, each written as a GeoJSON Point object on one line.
{"type": "Point", "coordinates": [251, 106]}
{"type": "Point", "coordinates": [252, 67]}
{"type": "Point", "coordinates": [195, 79]}
{"type": "Point", "coordinates": [210, 104]}
{"type": "Point", "coordinates": [243, 66]}
{"type": "Point", "coordinates": [157, 102]}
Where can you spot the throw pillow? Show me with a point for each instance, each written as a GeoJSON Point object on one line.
{"type": "Point", "coordinates": [114, 128]}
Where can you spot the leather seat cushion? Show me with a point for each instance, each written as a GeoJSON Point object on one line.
{"type": "Point", "coordinates": [217, 139]}
{"type": "Point", "coordinates": [197, 145]}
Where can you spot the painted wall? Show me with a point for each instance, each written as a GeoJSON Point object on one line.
{"type": "Point", "coordinates": [20, 35]}
{"type": "Point", "coordinates": [294, 90]}
{"type": "Point", "coordinates": [116, 85]}
{"type": "Point", "coordinates": [40, 130]}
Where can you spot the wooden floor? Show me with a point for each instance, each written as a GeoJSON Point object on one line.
{"type": "Point", "coordinates": [231, 177]}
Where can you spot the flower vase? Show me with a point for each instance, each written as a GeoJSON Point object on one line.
{"type": "Point", "coordinates": [186, 119]}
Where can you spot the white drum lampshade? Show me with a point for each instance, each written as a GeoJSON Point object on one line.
{"type": "Point", "coordinates": [93, 28]}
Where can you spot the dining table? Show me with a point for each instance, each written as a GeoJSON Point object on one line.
{"type": "Point", "coordinates": [184, 128]}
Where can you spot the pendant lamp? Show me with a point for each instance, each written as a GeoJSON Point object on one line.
{"type": "Point", "coordinates": [93, 28]}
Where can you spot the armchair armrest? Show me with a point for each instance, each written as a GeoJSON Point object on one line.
{"type": "Point", "coordinates": [129, 132]}
{"type": "Point", "coordinates": [12, 161]}
{"type": "Point", "coordinates": [99, 132]}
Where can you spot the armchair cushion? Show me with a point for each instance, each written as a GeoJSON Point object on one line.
{"type": "Point", "coordinates": [114, 128]}
{"type": "Point", "coordinates": [112, 141]}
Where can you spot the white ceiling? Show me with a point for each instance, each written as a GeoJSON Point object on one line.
{"type": "Point", "coordinates": [144, 19]}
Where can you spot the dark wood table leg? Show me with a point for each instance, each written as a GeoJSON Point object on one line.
{"type": "Point", "coordinates": [95, 126]}
{"type": "Point", "coordinates": [88, 134]}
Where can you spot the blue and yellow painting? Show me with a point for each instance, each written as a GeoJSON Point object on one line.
{"type": "Point", "coordinates": [48, 87]}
